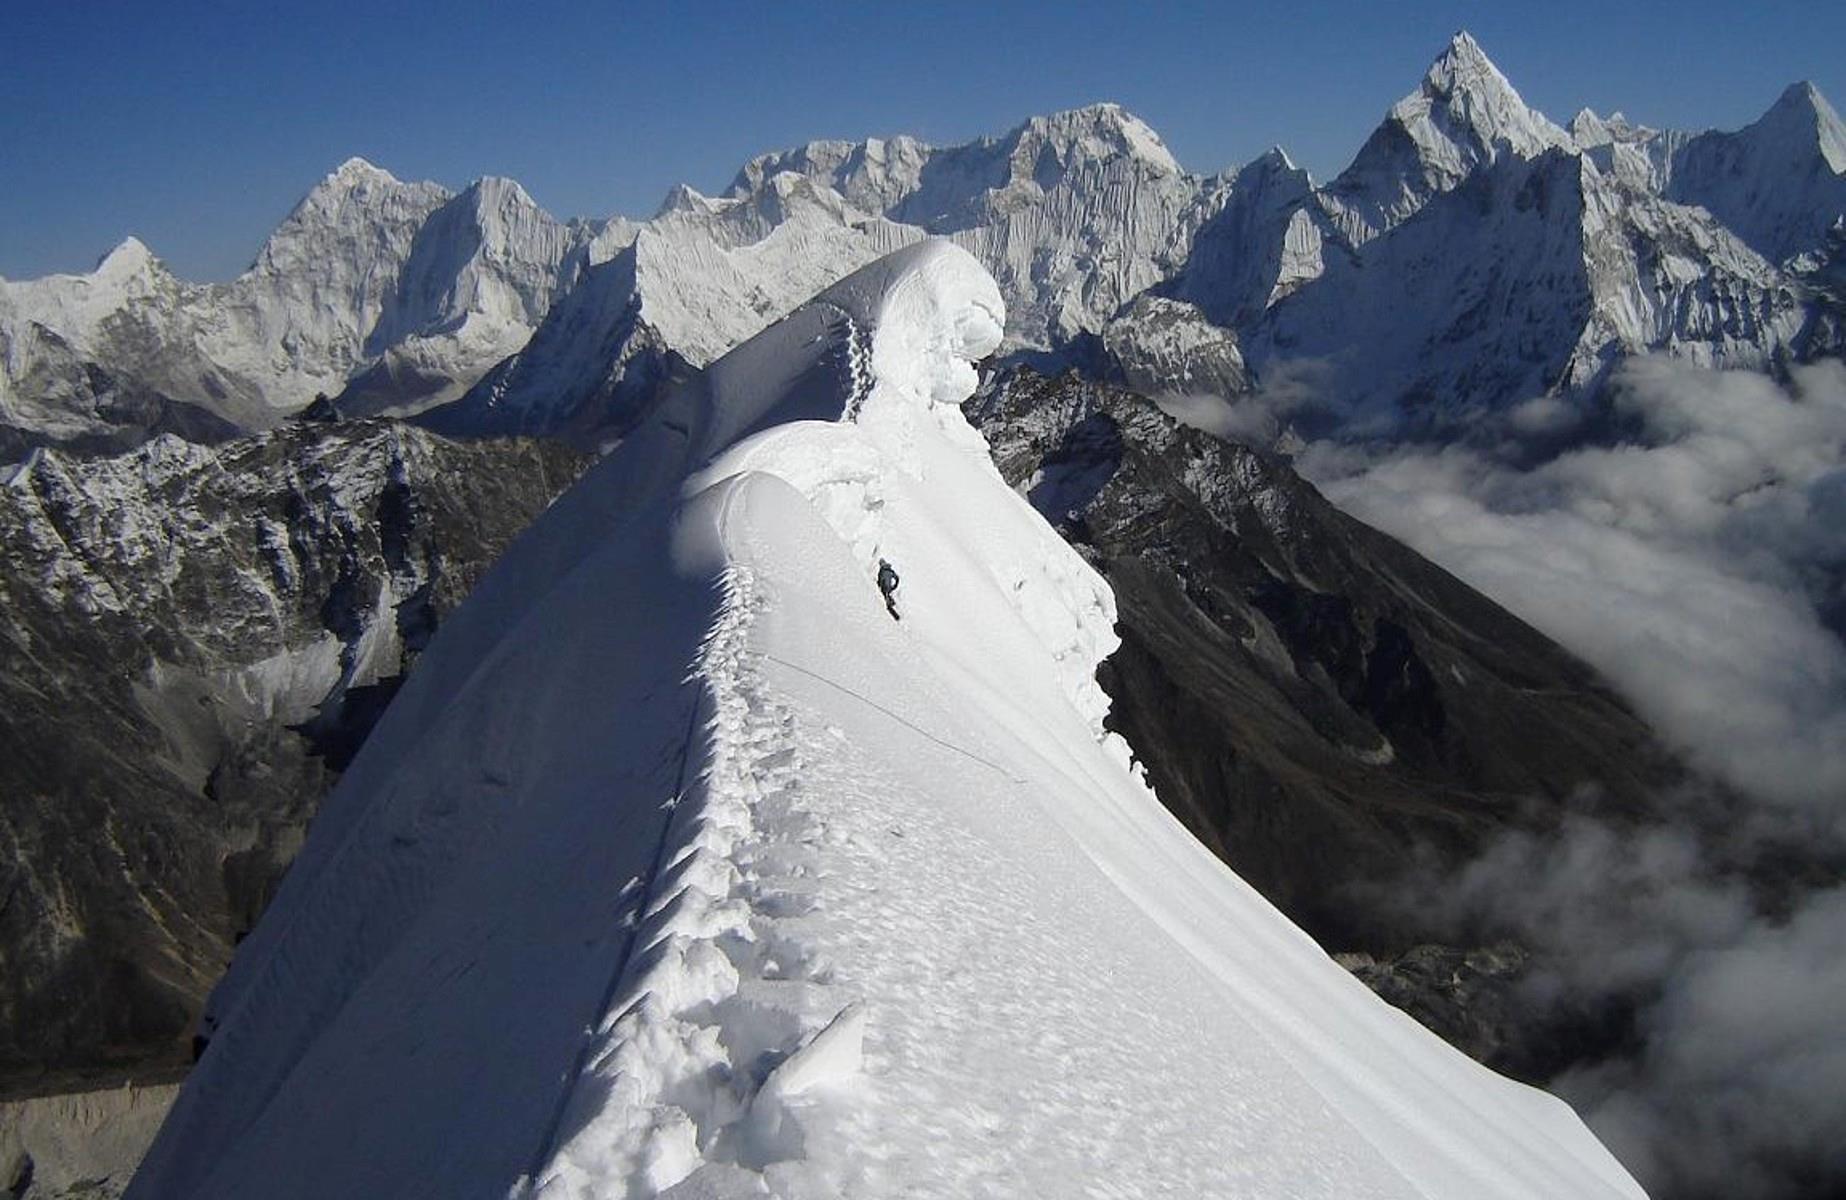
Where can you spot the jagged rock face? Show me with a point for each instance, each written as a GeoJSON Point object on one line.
{"type": "Point", "coordinates": [60, 396]}
{"type": "Point", "coordinates": [1323, 707]}
{"type": "Point", "coordinates": [1168, 346]}
{"type": "Point", "coordinates": [195, 640]}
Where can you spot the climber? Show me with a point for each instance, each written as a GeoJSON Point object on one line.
{"type": "Point", "coordinates": [887, 583]}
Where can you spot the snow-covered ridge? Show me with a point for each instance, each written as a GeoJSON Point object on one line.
{"type": "Point", "coordinates": [1465, 115]}
{"type": "Point", "coordinates": [861, 907]}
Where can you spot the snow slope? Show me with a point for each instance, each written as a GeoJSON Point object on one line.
{"type": "Point", "coordinates": [680, 869]}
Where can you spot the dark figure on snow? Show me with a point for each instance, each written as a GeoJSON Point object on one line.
{"type": "Point", "coordinates": [887, 583]}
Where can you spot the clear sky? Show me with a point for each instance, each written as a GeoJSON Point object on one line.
{"type": "Point", "coordinates": [197, 124]}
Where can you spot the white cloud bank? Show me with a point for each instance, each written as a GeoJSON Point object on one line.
{"type": "Point", "coordinates": [1695, 564]}
{"type": "Point", "coordinates": [1685, 565]}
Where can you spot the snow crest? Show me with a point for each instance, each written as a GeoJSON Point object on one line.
{"type": "Point", "coordinates": [680, 868]}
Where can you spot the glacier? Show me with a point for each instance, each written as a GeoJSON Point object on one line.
{"type": "Point", "coordinates": [679, 868]}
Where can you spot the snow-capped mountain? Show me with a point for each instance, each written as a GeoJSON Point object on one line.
{"type": "Point", "coordinates": [1779, 184]}
{"type": "Point", "coordinates": [859, 905]}
{"type": "Point", "coordinates": [482, 273]}
{"type": "Point", "coordinates": [1534, 256]}
{"type": "Point", "coordinates": [1476, 255]}
{"type": "Point", "coordinates": [1528, 280]}
{"type": "Point", "coordinates": [399, 293]}
{"type": "Point", "coordinates": [1074, 213]}
{"type": "Point", "coordinates": [1546, 255]}
{"type": "Point", "coordinates": [700, 277]}
{"type": "Point", "coordinates": [195, 641]}
{"type": "Point", "coordinates": [1463, 117]}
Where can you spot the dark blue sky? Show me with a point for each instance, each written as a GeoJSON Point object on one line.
{"type": "Point", "coordinates": [197, 124]}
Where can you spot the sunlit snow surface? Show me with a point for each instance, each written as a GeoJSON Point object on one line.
{"type": "Point", "coordinates": [680, 868]}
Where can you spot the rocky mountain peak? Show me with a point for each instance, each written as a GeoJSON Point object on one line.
{"type": "Point", "coordinates": [1096, 132]}
{"type": "Point", "coordinates": [130, 257]}
{"type": "Point", "coordinates": [355, 195]}
{"type": "Point", "coordinates": [684, 198]}
{"type": "Point", "coordinates": [498, 193]}
{"type": "Point", "coordinates": [1463, 63]}
{"type": "Point", "coordinates": [1803, 116]}
{"type": "Point", "coordinates": [357, 172]}
{"type": "Point", "coordinates": [1466, 98]}
{"type": "Point", "coordinates": [1463, 115]}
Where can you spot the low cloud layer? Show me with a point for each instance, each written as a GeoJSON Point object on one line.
{"type": "Point", "coordinates": [1691, 565]}
{"type": "Point", "coordinates": [1731, 1084]}
{"type": "Point", "coordinates": [1699, 563]}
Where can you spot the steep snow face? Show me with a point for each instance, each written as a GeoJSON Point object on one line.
{"type": "Point", "coordinates": [860, 906]}
{"type": "Point", "coordinates": [1266, 239]}
{"type": "Point", "coordinates": [392, 296]}
{"type": "Point", "coordinates": [1779, 183]}
{"type": "Point", "coordinates": [711, 273]}
{"type": "Point", "coordinates": [1530, 279]}
{"type": "Point", "coordinates": [1074, 213]}
{"type": "Point", "coordinates": [301, 313]}
{"type": "Point", "coordinates": [1465, 114]}
{"type": "Point", "coordinates": [703, 275]}
{"type": "Point", "coordinates": [482, 273]}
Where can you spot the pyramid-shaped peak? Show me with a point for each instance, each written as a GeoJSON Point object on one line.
{"type": "Point", "coordinates": [1469, 99]}
{"type": "Point", "coordinates": [493, 191]}
{"type": "Point", "coordinates": [1804, 113]}
{"type": "Point", "coordinates": [1272, 163]}
{"type": "Point", "coordinates": [1463, 48]}
{"type": "Point", "coordinates": [684, 198]}
{"type": "Point", "coordinates": [1278, 158]}
{"type": "Point", "coordinates": [130, 255]}
{"type": "Point", "coordinates": [1801, 94]}
{"type": "Point", "coordinates": [1464, 66]}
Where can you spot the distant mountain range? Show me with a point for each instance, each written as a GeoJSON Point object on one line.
{"type": "Point", "coordinates": [1473, 256]}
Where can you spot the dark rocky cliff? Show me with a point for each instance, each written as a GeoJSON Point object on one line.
{"type": "Point", "coordinates": [193, 641]}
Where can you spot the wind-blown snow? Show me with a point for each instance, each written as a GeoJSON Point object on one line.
{"type": "Point", "coordinates": [680, 868]}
